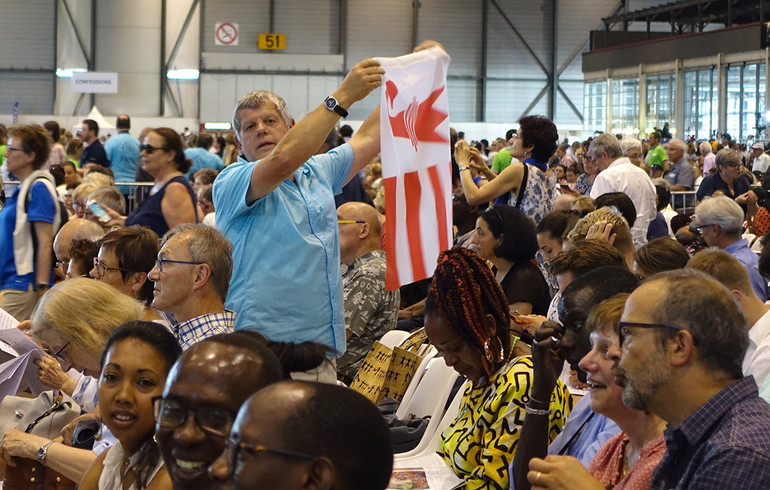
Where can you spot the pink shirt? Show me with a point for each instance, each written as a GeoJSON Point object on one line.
{"type": "Point", "coordinates": [607, 465]}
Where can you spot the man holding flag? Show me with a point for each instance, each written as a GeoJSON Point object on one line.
{"type": "Point", "coordinates": [276, 205]}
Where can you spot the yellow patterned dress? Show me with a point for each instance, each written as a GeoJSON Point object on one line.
{"type": "Point", "coordinates": [480, 444]}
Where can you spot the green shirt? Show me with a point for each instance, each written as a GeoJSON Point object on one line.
{"type": "Point", "coordinates": [656, 156]}
{"type": "Point", "coordinates": [502, 159]}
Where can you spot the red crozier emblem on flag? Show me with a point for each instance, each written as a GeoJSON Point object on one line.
{"type": "Point", "coordinates": [416, 164]}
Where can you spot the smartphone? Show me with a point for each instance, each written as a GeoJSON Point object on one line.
{"type": "Point", "coordinates": [99, 212]}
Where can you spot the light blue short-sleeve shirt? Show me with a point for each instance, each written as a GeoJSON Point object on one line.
{"type": "Point", "coordinates": [286, 256]}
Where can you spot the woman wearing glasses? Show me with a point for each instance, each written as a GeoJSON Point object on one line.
{"type": "Point", "coordinates": [171, 200]}
{"type": "Point", "coordinates": [27, 222]}
{"type": "Point", "coordinates": [73, 321]}
{"type": "Point", "coordinates": [136, 361]}
{"type": "Point", "coordinates": [527, 184]}
{"type": "Point", "coordinates": [507, 238]}
{"type": "Point", "coordinates": [126, 256]}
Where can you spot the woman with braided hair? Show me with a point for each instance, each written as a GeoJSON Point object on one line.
{"type": "Point", "coordinates": [467, 319]}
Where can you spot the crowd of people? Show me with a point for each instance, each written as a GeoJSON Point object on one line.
{"type": "Point", "coordinates": [209, 327]}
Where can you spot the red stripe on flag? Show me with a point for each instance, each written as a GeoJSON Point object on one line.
{"type": "Point", "coordinates": [440, 202]}
{"type": "Point", "coordinates": [412, 192]}
{"type": "Point", "coordinates": [391, 274]}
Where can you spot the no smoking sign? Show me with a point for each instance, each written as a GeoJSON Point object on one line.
{"type": "Point", "coordinates": [226, 34]}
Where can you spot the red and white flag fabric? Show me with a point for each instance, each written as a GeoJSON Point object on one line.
{"type": "Point", "coordinates": [416, 164]}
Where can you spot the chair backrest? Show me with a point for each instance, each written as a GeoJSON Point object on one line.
{"type": "Point", "coordinates": [431, 445]}
{"type": "Point", "coordinates": [393, 338]}
{"type": "Point", "coordinates": [429, 354]}
{"type": "Point", "coordinates": [435, 383]}
{"type": "Point", "coordinates": [432, 394]}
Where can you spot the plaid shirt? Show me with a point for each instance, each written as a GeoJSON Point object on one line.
{"type": "Point", "coordinates": [724, 444]}
{"type": "Point", "coordinates": [198, 328]}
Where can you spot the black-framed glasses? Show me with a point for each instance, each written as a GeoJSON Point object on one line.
{"type": "Point", "coordinates": [161, 263]}
{"type": "Point", "coordinates": [233, 447]}
{"type": "Point", "coordinates": [13, 148]}
{"type": "Point", "coordinates": [699, 228]}
{"type": "Point", "coordinates": [102, 268]}
{"type": "Point", "coordinates": [623, 329]}
{"type": "Point", "coordinates": [350, 222]}
{"type": "Point", "coordinates": [170, 414]}
{"type": "Point", "coordinates": [149, 148]}
{"type": "Point", "coordinates": [58, 355]}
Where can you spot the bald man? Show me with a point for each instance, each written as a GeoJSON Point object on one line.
{"type": "Point", "coordinates": [74, 229]}
{"type": "Point", "coordinates": [294, 435]}
{"type": "Point", "coordinates": [370, 310]}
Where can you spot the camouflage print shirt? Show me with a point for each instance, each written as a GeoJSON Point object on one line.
{"type": "Point", "coordinates": [370, 310]}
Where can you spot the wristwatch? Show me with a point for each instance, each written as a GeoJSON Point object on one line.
{"type": "Point", "coordinates": [43, 452]}
{"type": "Point", "coordinates": [331, 104]}
{"type": "Point", "coordinates": [41, 286]}
{"type": "Point", "coordinates": [464, 167]}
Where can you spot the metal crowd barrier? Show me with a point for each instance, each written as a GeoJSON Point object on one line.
{"type": "Point", "coordinates": [683, 202]}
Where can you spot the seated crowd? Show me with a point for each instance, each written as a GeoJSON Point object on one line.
{"type": "Point", "coordinates": [217, 331]}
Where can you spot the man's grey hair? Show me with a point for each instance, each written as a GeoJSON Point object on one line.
{"type": "Point", "coordinates": [723, 211]}
{"type": "Point", "coordinates": [677, 143]}
{"type": "Point", "coordinates": [704, 148]}
{"type": "Point", "coordinates": [208, 246]}
{"type": "Point", "coordinates": [606, 143]}
{"type": "Point", "coordinates": [628, 144]}
{"type": "Point", "coordinates": [256, 99]}
{"type": "Point", "coordinates": [110, 196]}
{"type": "Point", "coordinates": [698, 303]}
{"type": "Point", "coordinates": [728, 157]}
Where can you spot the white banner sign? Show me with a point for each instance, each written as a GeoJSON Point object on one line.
{"type": "Point", "coordinates": [93, 82]}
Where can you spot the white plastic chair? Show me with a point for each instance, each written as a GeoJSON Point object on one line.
{"type": "Point", "coordinates": [393, 338]}
{"type": "Point", "coordinates": [432, 444]}
{"type": "Point", "coordinates": [430, 397]}
{"type": "Point", "coordinates": [429, 354]}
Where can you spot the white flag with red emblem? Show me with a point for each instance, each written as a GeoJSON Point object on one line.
{"type": "Point", "coordinates": [416, 164]}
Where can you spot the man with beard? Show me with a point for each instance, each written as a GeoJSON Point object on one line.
{"type": "Point", "coordinates": [683, 339]}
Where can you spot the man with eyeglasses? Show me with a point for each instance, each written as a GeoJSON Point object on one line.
{"type": "Point", "coordinates": [719, 220]}
{"type": "Point", "coordinates": [203, 392]}
{"type": "Point", "coordinates": [683, 340]}
{"type": "Point", "coordinates": [191, 276]}
{"type": "Point", "coordinates": [296, 435]}
{"type": "Point", "coordinates": [370, 309]}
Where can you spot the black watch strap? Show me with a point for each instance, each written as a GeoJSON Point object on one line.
{"type": "Point", "coordinates": [331, 104]}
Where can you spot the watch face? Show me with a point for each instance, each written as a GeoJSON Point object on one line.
{"type": "Point", "coordinates": [330, 102]}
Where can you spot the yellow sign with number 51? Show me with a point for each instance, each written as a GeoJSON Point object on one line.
{"type": "Point", "coordinates": [272, 41]}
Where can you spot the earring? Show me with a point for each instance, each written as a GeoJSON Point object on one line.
{"type": "Point", "coordinates": [489, 350]}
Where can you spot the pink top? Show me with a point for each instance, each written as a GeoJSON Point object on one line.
{"type": "Point", "coordinates": [607, 465]}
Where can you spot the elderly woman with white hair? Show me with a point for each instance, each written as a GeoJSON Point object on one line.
{"type": "Point", "coordinates": [632, 149]}
{"type": "Point", "coordinates": [729, 181]}
{"type": "Point", "coordinates": [680, 173]}
{"type": "Point", "coordinates": [709, 158]}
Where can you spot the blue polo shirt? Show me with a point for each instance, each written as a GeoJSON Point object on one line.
{"type": "Point", "coordinates": [286, 275]}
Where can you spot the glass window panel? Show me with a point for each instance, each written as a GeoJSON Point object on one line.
{"type": "Point", "coordinates": [595, 104]}
{"type": "Point", "coordinates": [625, 105]}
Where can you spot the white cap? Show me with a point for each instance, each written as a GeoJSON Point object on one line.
{"type": "Point", "coordinates": [758, 146]}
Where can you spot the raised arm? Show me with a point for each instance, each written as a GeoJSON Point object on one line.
{"type": "Point", "coordinates": [509, 179]}
{"type": "Point", "coordinates": [303, 140]}
{"type": "Point", "coordinates": [366, 142]}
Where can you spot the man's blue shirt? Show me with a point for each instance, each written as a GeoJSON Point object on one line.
{"type": "Point", "coordinates": [286, 277]}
